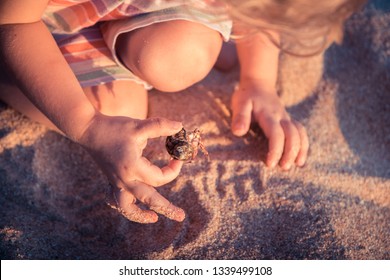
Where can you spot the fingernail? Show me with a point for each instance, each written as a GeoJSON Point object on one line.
{"type": "Point", "coordinates": [180, 215]}
{"type": "Point", "coordinates": [271, 164]}
{"type": "Point", "coordinates": [238, 128]}
{"type": "Point", "coordinates": [286, 166]}
{"type": "Point", "coordinates": [238, 125]}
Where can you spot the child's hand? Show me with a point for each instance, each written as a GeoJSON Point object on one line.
{"type": "Point", "coordinates": [288, 141]}
{"type": "Point", "coordinates": [116, 144]}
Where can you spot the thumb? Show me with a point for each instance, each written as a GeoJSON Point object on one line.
{"type": "Point", "coordinates": [241, 120]}
{"type": "Point", "coordinates": [156, 127]}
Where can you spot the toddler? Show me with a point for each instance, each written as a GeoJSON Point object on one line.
{"type": "Point", "coordinates": [83, 68]}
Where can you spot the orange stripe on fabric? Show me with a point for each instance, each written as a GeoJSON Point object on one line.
{"type": "Point", "coordinates": [88, 56]}
{"type": "Point", "coordinates": [64, 2]}
{"type": "Point", "coordinates": [91, 11]}
{"type": "Point", "coordinates": [87, 45]}
{"type": "Point", "coordinates": [80, 14]}
{"type": "Point", "coordinates": [115, 14]}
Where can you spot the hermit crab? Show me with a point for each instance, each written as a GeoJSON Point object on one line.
{"type": "Point", "coordinates": [184, 145]}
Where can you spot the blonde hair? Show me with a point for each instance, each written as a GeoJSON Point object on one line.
{"type": "Point", "coordinates": [306, 27]}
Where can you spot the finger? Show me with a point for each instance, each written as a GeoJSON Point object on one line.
{"type": "Point", "coordinates": [292, 144]}
{"type": "Point", "coordinates": [124, 202]}
{"type": "Point", "coordinates": [275, 145]}
{"type": "Point", "coordinates": [156, 202]}
{"type": "Point", "coordinates": [302, 155]}
{"type": "Point", "coordinates": [275, 134]}
{"type": "Point", "coordinates": [155, 176]}
{"type": "Point", "coordinates": [241, 119]}
{"type": "Point", "coordinates": [156, 127]}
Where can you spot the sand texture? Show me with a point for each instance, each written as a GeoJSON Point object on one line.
{"type": "Point", "coordinates": [52, 197]}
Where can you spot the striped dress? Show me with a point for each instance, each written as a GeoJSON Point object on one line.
{"type": "Point", "coordinates": [86, 31]}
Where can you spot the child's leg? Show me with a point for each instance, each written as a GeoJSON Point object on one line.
{"type": "Point", "coordinates": [171, 55]}
{"type": "Point", "coordinates": [12, 96]}
{"type": "Point", "coordinates": [119, 98]}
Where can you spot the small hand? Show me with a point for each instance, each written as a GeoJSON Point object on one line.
{"type": "Point", "coordinates": [116, 144]}
{"type": "Point", "coordinates": [288, 140]}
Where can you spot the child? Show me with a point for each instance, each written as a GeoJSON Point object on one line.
{"type": "Point", "coordinates": [90, 81]}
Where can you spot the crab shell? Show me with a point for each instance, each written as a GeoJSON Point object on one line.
{"type": "Point", "coordinates": [183, 145]}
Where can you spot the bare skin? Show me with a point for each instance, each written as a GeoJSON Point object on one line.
{"type": "Point", "coordinates": [111, 127]}
{"type": "Point", "coordinates": [256, 99]}
{"type": "Point", "coordinates": [110, 122]}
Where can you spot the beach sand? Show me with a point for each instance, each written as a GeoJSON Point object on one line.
{"type": "Point", "coordinates": [52, 197]}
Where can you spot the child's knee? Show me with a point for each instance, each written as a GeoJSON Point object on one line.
{"type": "Point", "coordinates": [171, 56]}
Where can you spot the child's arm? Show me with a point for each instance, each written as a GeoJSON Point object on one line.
{"type": "Point", "coordinates": [257, 97]}
{"type": "Point", "coordinates": [30, 55]}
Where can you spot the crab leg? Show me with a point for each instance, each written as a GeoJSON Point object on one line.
{"type": "Point", "coordinates": [203, 149]}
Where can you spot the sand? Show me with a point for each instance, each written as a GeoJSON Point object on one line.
{"type": "Point", "coordinates": [52, 197]}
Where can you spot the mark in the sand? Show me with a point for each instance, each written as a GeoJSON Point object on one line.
{"type": "Point", "coordinates": [238, 180]}
{"type": "Point", "coordinates": [4, 131]}
{"type": "Point", "coordinates": [197, 216]}
{"type": "Point", "coordinates": [219, 185]}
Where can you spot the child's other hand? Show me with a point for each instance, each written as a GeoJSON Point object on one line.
{"type": "Point", "coordinates": [116, 144]}
{"type": "Point", "coordinates": [288, 141]}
